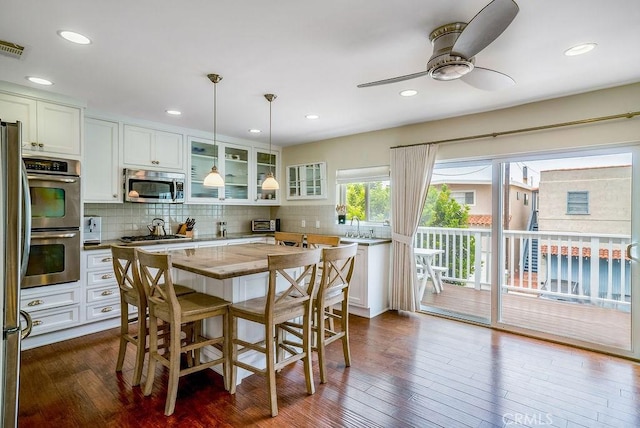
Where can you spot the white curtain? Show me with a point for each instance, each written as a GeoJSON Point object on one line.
{"type": "Point", "coordinates": [411, 169]}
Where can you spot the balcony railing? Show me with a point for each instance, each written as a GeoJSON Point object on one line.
{"type": "Point", "coordinates": [575, 267]}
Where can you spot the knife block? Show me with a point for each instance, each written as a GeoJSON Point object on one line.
{"type": "Point", "coordinates": [182, 230]}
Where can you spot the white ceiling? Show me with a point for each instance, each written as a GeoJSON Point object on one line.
{"type": "Point", "coordinates": [151, 55]}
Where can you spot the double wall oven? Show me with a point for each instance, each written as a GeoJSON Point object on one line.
{"type": "Point", "coordinates": [54, 187]}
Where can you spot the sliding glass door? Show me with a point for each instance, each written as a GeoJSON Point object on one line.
{"type": "Point", "coordinates": [564, 248]}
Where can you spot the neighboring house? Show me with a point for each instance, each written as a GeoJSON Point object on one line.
{"type": "Point", "coordinates": [594, 202]}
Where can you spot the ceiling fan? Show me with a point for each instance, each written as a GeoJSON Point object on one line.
{"type": "Point", "coordinates": [455, 45]}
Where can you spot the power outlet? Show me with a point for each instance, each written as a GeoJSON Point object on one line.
{"type": "Point", "coordinates": [303, 223]}
{"type": "Point", "coordinates": [317, 224]}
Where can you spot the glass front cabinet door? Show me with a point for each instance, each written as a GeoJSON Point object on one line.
{"type": "Point", "coordinates": [236, 173]}
{"type": "Point", "coordinates": [203, 155]}
{"type": "Point", "coordinates": [267, 162]}
{"type": "Point", "coordinates": [307, 181]}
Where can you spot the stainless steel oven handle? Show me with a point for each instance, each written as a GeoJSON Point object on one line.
{"type": "Point", "coordinates": [52, 178]}
{"type": "Point", "coordinates": [47, 235]}
{"type": "Point", "coordinates": [27, 330]}
{"type": "Point", "coordinates": [26, 223]}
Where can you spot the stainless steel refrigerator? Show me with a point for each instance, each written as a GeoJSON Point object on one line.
{"type": "Point", "coordinates": [15, 230]}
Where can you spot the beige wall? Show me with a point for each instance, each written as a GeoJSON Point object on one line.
{"type": "Point", "coordinates": [372, 148]}
{"type": "Point", "coordinates": [609, 200]}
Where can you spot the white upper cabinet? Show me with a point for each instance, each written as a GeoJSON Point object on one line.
{"type": "Point", "coordinates": [101, 174]}
{"type": "Point", "coordinates": [152, 149]}
{"type": "Point", "coordinates": [47, 128]}
{"type": "Point", "coordinates": [308, 181]}
{"type": "Point", "coordinates": [243, 168]}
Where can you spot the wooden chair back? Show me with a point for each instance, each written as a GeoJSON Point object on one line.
{"type": "Point", "coordinates": [299, 289]}
{"type": "Point", "coordinates": [283, 237]}
{"type": "Point", "coordinates": [337, 270]}
{"type": "Point", "coordinates": [319, 241]}
{"type": "Point", "coordinates": [155, 275]}
{"type": "Point", "coordinates": [125, 267]}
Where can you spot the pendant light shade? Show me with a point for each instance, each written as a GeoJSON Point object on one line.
{"type": "Point", "coordinates": [214, 179]}
{"type": "Point", "coordinates": [270, 182]}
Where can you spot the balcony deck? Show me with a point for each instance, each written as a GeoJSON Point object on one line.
{"type": "Point", "coordinates": [582, 321]}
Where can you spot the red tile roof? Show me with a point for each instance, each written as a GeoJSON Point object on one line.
{"type": "Point", "coordinates": [479, 220]}
{"type": "Point", "coordinates": [603, 253]}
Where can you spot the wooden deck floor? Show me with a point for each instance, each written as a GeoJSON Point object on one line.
{"type": "Point", "coordinates": [577, 320]}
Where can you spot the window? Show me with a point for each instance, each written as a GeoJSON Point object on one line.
{"type": "Point", "coordinates": [464, 198]}
{"type": "Point", "coordinates": [366, 192]}
{"type": "Point", "coordinates": [577, 202]}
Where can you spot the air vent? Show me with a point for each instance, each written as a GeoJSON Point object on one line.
{"type": "Point", "coordinates": [11, 49]}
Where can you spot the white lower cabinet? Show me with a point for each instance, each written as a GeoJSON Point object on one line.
{"type": "Point", "coordinates": [52, 307]}
{"type": "Point", "coordinates": [369, 288]}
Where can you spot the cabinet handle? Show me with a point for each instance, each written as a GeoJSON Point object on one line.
{"type": "Point", "coordinates": [36, 322]}
{"type": "Point", "coordinates": [115, 196]}
{"type": "Point", "coordinates": [155, 162]}
{"type": "Point", "coordinates": [107, 292]}
{"type": "Point", "coordinates": [34, 144]}
{"type": "Point", "coordinates": [35, 302]}
{"type": "Point", "coordinates": [106, 259]}
{"type": "Point", "coordinates": [41, 145]}
{"type": "Point", "coordinates": [107, 309]}
{"type": "Point", "coordinates": [107, 276]}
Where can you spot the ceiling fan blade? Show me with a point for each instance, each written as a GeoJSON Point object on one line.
{"type": "Point", "coordinates": [485, 27]}
{"type": "Point", "coordinates": [488, 80]}
{"type": "Point", "coordinates": [394, 79]}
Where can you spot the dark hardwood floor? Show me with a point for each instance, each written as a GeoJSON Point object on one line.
{"type": "Point", "coordinates": [408, 370]}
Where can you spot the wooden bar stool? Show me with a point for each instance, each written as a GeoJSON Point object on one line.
{"type": "Point", "coordinates": [164, 304]}
{"type": "Point", "coordinates": [337, 270]}
{"type": "Point", "coordinates": [272, 310]}
{"type": "Point", "coordinates": [284, 238]}
{"type": "Point", "coordinates": [125, 267]}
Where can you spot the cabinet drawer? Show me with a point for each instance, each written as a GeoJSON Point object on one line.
{"type": "Point", "coordinates": [50, 300]}
{"type": "Point", "coordinates": [54, 319]}
{"type": "Point", "coordinates": [103, 310]}
{"type": "Point", "coordinates": [100, 260]}
{"type": "Point", "coordinates": [97, 294]}
{"type": "Point", "coordinates": [103, 277]}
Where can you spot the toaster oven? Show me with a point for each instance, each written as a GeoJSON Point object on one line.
{"type": "Point", "coordinates": [265, 225]}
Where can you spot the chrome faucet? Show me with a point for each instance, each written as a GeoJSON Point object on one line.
{"type": "Point", "coordinates": [358, 225]}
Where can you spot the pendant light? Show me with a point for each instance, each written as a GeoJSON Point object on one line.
{"type": "Point", "coordinates": [270, 182]}
{"type": "Point", "coordinates": [214, 179]}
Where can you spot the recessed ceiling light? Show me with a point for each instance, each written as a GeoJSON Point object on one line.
{"type": "Point", "coordinates": [580, 49]}
{"type": "Point", "coordinates": [39, 81]}
{"type": "Point", "coordinates": [255, 131]}
{"type": "Point", "coordinates": [312, 116]}
{"type": "Point", "coordinates": [174, 112]}
{"type": "Point", "coordinates": [74, 37]}
{"type": "Point", "coordinates": [408, 93]}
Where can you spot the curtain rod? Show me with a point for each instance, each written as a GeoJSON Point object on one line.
{"type": "Point", "coordinates": [521, 130]}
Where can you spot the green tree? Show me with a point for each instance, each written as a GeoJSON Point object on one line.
{"type": "Point", "coordinates": [356, 201]}
{"type": "Point", "coordinates": [441, 210]}
{"type": "Point", "coordinates": [379, 201]}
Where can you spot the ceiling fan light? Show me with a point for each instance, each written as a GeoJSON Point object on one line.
{"type": "Point", "coordinates": [270, 182]}
{"type": "Point", "coordinates": [451, 70]}
{"type": "Point", "coordinates": [213, 179]}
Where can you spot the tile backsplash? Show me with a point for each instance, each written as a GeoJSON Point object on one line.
{"type": "Point", "coordinates": [132, 219]}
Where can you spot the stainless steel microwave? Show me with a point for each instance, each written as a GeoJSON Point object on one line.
{"type": "Point", "coordinates": [265, 225]}
{"type": "Point", "coordinates": [153, 187]}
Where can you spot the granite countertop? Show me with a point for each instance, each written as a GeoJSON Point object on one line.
{"type": "Point", "coordinates": [105, 245]}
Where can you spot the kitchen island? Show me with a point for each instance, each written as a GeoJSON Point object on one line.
{"type": "Point", "coordinates": [235, 273]}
